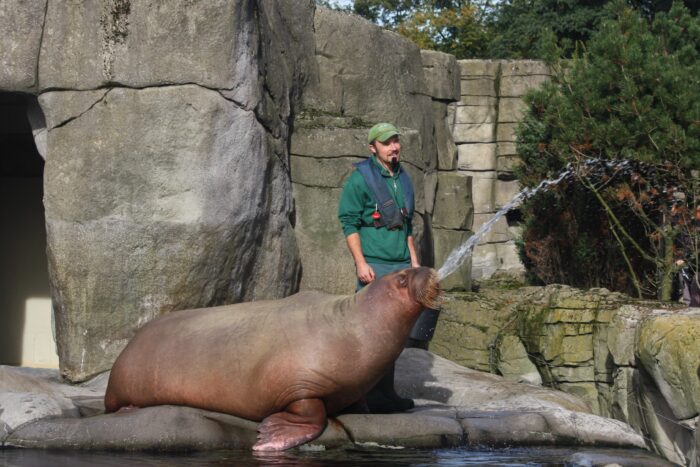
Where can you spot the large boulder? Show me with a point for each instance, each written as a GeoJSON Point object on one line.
{"type": "Point", "coordinates": [167, 175]}
{"type": "Point", "coordinates": [669, 351]}
{"type": "Point", "coordinates": [153, 196]}
{"type": "Point", "coordinates": [442, 75]}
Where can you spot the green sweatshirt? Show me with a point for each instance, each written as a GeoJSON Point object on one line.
{"type": "Point", "coordinates": [379, 245]}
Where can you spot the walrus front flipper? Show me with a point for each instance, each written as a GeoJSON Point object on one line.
{"type": "Point", "coordinates": [301, 421]}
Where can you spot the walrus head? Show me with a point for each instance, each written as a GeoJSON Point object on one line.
{"type": "Point", "coordinates": [409, 290]}
{"type": "Point", "coordinates": [423, 285]}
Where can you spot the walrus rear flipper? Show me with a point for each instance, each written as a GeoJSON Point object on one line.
{"type": "Point", "coordinates": [302, 421]}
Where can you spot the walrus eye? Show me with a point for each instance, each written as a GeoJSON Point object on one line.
{"type": "Point", "coordinates": [403, 280]}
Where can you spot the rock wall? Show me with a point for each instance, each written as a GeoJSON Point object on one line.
{"type": "Point", "coordinates": [167, 171]}
{"type": "Point", "coordinates": [348, 95]}
{"type": "Point", "coordinates": [629, 360]}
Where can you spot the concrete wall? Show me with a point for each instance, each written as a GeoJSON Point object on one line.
{"type": "Point", "coordinates": [25, 305]}
{"type": "Point", "coordinates": [483, 127]}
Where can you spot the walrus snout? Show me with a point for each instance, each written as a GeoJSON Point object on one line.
{"type": "Point", "coordinates": [426, 287]}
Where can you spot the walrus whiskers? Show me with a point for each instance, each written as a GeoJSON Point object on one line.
{"type": "Point", "coordinates": [430, 295]}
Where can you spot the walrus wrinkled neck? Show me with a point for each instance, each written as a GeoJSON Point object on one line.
{"type": "Point", "coordinates": [389, 313]}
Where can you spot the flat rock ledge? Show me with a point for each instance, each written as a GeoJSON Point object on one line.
{"type": "Point", "coordinates": [455, 407]}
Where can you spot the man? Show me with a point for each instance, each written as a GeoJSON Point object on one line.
{"type": "Point", "coordinates": [375, 211]}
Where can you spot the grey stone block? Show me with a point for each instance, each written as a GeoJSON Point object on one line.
{"type": "Point", "coordinates": [574, 374]}
{"type": "Point", "coordinates": [446, 241]}
{"type": "Point", "coordinates": [506, 148]}
{"type": "Point", "coordinates": [21, 27]}
{"type": "Point", "coordinates": [513, 362]}
{"type": "Point", "coordinates": [442, 75]}
{"type": "Point", "coordinates": [511, 109]}
{"type": "Point", "coordinates": [477, 156]}
{"type": "Point", "coordinates": [417, 178]}
{"type": "Point", "coordinates": [329, 142]}
{"type": "Point", "coordinates": [517, 86]}
{"type": "Point", "coordinates": [524, 68]}
{"type": "Point", "coordinates": [506, 164]}
{"type": "Point", "coordinates": [475, 114]}
{"type": "Point", "coordinates": [208, 43]}
{"type": "Point", "coordinates": [478, 67]}
{"type": "Point", "coordinates": [483, 190]}
{"type": "Point", "coordinates": [320, 238]}
{"type": "Point", "coordinates": [485, 261]}
{"type": "Point", "coordinates": [478, 87]}
{"type": "Point", "coordinates": [453, 202]}
{"type": "Point", "coordinates": [499, 230]}
{"type": "Point", "coordinates": [68, 105]}
{"type": "Point", "coordinates": [430, 189]}
{"type": "Point", "coordinates": [505, 132]}
{"type": "Point", "coordinates": [486, 101]}
{"type": "Point", "coordinates": [664, 349]}
{"type": "Point", "coordinates": [504, 191]}
{"type": "Point", "coordinates": [509, 260]}
{"type": "Point", "coordinates": [446, 148]}
{"type": "Point", "coordinates": [349, 81]}
{"type": "Point", "coordinates": [473, 132]}
{"type": "Point", "coordinates": [319, 172]}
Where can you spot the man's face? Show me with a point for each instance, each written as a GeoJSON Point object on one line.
{"type": "Point", "coordinates": [387, 152]}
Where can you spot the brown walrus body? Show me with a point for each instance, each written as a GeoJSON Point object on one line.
{"type": "Point", "coordinates": [286, 362]}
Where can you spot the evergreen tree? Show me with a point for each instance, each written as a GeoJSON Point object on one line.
{"type": "Point", "coordinates": [521, 26]}
{"type": "Point", "coordinates": [633, 94]}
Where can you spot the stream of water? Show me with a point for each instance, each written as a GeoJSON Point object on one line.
{"type": "Point", "coordinates": [464, 251]}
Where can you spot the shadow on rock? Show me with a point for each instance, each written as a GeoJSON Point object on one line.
{"type": "Point", "coordinates": [415, 377]}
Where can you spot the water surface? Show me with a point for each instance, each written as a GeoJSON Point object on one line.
{"type": "Point", "coordinates": [530, 457]}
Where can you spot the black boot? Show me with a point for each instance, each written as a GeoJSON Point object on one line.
{"type": "Point", "coordinates": [382, 398]}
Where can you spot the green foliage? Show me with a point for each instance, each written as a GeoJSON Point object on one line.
{"type": "Point", "coordinates": [521, 27]}
{"type": "Point", "coordinates": [499, 28]}
{"type": "Point", "coordinates": [389, 13]}
{"type": "Point", "coordinates": [452, 26]}
{"type": "Point", "coordinates": [632, 94]}
{"type": "Point", "coordinates": [455, 30]}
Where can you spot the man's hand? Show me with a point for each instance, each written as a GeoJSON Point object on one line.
{"type": "Point", "coordinates": [412, 251]}
{"type": "Point", "coordinates": [365, 273]}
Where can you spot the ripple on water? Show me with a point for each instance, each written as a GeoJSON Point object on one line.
{"type": "Point", "coordinates": [531, 457]}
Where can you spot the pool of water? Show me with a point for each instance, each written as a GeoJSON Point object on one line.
{"type": "Point", "coordinates": [531, 457]}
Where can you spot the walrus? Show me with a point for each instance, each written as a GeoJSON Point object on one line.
{"type": "Point", "coordinates": [288, 363]}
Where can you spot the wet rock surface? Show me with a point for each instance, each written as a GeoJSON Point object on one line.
{"type": "Point", "coordinates": [626, 359]}
{"type": "Point", "coordinates": [455, 407]}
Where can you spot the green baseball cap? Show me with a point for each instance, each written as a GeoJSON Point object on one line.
{"type": "Point", "coordinates": [382, 132]}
